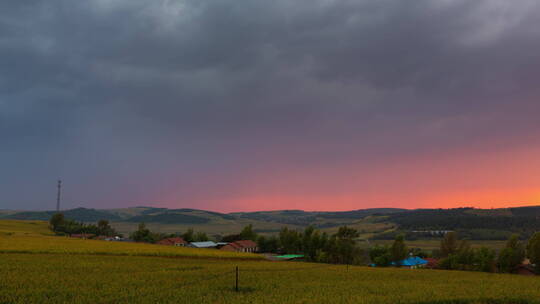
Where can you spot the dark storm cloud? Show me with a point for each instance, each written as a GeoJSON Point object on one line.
{"type": "Point", "coordinates": [135, 97]}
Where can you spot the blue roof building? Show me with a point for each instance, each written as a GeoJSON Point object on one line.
{"type": "Point", "coordinates": [411, 262]}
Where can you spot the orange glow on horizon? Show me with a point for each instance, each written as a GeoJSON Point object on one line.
{"type": "Point", "coordinates": [457, 179]}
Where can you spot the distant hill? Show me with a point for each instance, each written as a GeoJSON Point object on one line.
{"type": "Point", "coordinates": [202, 217]}
{"type": "Point", "coordinates": [380, 223]}
{"type": "Point", "coordinates": [304, 218]}
{"type": "Point", "coordinates": [79, 214]}
{"type": "Point", "coordinates": [448, 219]}
{"type": "Point", "coordinates": [471, 223]}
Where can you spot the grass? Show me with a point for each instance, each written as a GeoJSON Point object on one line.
{"type": "Point", "coordinates": [217, 226]}
{"type": "Point", "coordinates": [37, 268]}
{"type": "Point", "coordinates": [16, 227]}
{"type": "Point", "coordinates": [436, 244]}
{"type": "Point", "coordinates": [32, 278]}
{"type": "Point", "coordinates": [213, 227]}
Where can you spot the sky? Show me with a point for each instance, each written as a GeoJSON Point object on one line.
{"type": "Point", "coordinates": [244, 105]}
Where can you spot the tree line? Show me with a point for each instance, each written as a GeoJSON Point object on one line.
{"type": "Point", "coordinates": [62, 226]}
{"type": "Point", "coordinates": [143, 234]}
{"type": "Point", "coordinates": [457, 254]}
{"type": "Point", "coordinates": [316, 246]}
{"type": "Point", "coordinates": [522, 221]}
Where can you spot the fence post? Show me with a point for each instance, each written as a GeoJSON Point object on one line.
{"type": "Point", "coordinates": [236, 286]}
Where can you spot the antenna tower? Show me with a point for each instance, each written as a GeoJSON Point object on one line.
{"type": "Point", "coordinates": [58, 196]}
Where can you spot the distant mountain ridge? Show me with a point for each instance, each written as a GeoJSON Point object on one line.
{"type": "Point", "coordinates": [195, 216]}
{"type": "Point", "coordinates": [385, 223]}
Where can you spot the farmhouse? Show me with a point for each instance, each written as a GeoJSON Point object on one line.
{"type": "Point", "coordinates": [175, 241]}
{"type": "Point", "coordinates": [208, 244]}
{"type": "Point", "coordinates": [241, 246]}
{"type": "Point", "coordinates": [432, 263]}
{"type": "Point", "coordinates": [525, 269]}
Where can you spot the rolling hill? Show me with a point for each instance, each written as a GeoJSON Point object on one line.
{"type": "Point", "coordinates": [380, 223]}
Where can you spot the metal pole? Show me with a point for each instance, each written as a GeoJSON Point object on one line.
{"type": "Point", "coordinates": [58, 196]}
{"type": "Point", "coordinates": [236, 287]}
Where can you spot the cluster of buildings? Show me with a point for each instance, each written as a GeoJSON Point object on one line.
{"type": "Point", "coordinates": [414, 262]}
{"type": "Point", "coordinates": [96, 237]}
{"type": "Point", "coordinates": [236, 246]}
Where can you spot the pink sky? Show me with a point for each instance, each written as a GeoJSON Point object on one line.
{"type": "Point", "coordinates": [459, 178]}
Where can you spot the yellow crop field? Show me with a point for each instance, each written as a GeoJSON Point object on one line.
{"type": "Point", "coordinates": [55, 278]}
{"type": "Point", "coordinates": [50, 269]}
{"type": "Point", "coordinates": [35, 241]}
{"type": "Point", "coordinates": [14, 227]}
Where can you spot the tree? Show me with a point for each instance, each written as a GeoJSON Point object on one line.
{"type": "Point", "coordinates": [456, 256]}
{"type": "Point", "coordinates": [142, 234]}
{"type": "Point", "coordinates": [419, 252]}
{"type": "Point", "coordinates": [484, 259]}
{"type": "Point", "coordinates": [189, 236]}
{"type": "Point", "coordinates": [56, 221]}
{"type": "Point", "coordinates": [399, 250]}
{"type": "Point", "coordinates": [200, 237]}
{"type": "Point", "coordinates": [347, 233]}
{"type": "Point", "coordinates": [465, 256]}
{"type": "Point", "coordinates": [268, 244]}
{"type": "Point", "coordinates": [310, 240]}
{"type": "Point", "coordinates": [342, 247]}
{"type": "Point", "coordinates": [533, 250]}
{"type": "Point", "coordinates": [511, 255]}
{"type": "Point", "coordinates": [449, 262]}
{"type": "Point", "coordinates": [380, 255]}
{"type": "Point", "coordinates": [248, 234]}
{"type": "Point", "coordinates": [289, 240]}
{"type": "Point", "coordinates": [449, 244]}
{"type": "Point", "coordinates": [103, 228]}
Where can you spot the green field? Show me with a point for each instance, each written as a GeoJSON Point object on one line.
{"type": "Point", "coordinates": [436, 244]}
{"type": "Point", "coordinates": [61, 270]}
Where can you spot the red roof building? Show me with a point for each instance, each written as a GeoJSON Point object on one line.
{"type": "Point", "coordinates": [175, 241]}
{"type": "Point", "coordinates": [525, 269]}
{"type": "Point", "coordinates": [432, 263]}
{"type": "Point", "coordinates": [241, 246]}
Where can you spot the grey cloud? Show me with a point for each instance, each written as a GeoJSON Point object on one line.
{"type": "Point", "coordinates": [201, 87]}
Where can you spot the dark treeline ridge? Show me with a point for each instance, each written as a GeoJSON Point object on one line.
{"type": "Point", "coordinates": [79, 214]}
{"type": "Point", "coordinates": [470, 234]}
{"type": "Point", "coordinates": [143, 234]}
{"type": "Point", "coordinates": [62, 226]}
{"type": "Point", "coordinates": [478, 223]}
